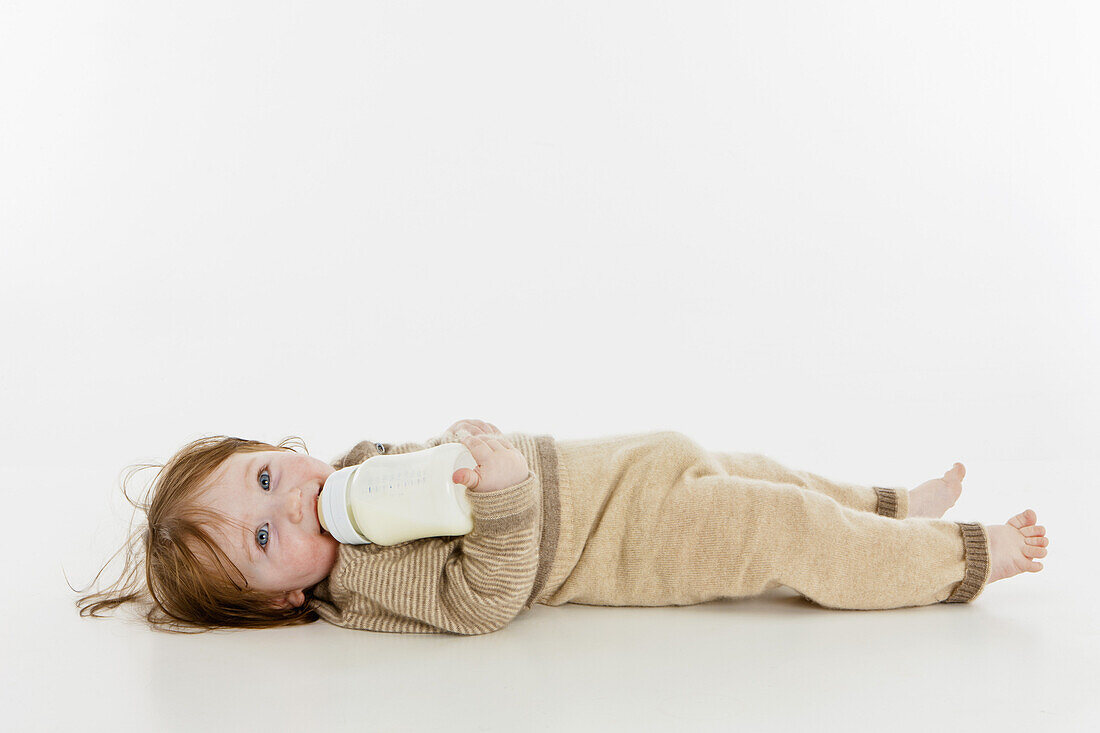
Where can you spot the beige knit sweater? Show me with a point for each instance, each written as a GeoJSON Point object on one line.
{"type": "Point", "coordinates": [465, 585]}
{"type": "Point", "coordinates": [651, 519]}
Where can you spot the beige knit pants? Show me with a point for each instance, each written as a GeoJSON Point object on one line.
{"type": "Point", "coordinates": [654, 519]}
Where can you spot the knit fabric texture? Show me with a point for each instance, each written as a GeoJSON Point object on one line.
{"type": "Point", "coordinates": [474, 584]}
{"type": "Point", "coordinates": [652, 519]}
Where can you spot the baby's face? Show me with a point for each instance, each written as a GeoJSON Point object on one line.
{"type": "Point", "coordinates": [274, 494]}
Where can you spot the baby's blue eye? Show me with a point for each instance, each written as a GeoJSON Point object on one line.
{"type": "Point", "coordinates": [262, 534]}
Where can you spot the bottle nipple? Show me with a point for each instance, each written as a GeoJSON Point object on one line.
{"type": "Point", "coordinates": [321, 515]}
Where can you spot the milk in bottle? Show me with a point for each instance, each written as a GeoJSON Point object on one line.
{"type": "Point", "coordinates": [386, 500]}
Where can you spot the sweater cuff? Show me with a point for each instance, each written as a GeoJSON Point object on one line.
{"type": "Point", "coordinates": [978, 566]}
{"type": "Point", "coordinates": [504, 509]}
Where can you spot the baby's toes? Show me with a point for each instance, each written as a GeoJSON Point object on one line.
{"type": "Point", "coordinates": [1025, 518]}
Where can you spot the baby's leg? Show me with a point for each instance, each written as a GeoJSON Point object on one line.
{"type": "Point", "coordinates": [889, 502]}
{"type": "Point", "coordinates": [838, 557]}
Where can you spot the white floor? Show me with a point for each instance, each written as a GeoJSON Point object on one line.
{"type": "Point", "coordinates": [1025, 653]}
{"type": "Point", "coordinates": [859, 238]}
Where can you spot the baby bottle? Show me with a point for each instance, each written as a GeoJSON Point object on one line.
{"type": "Point", "coordinates": [386, 500]}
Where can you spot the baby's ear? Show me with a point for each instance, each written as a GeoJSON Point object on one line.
{"type": "Point", "coordinates": [292, 598]}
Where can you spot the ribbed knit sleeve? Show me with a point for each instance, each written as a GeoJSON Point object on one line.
{"type": "Point", "coordinates": [474, 584]}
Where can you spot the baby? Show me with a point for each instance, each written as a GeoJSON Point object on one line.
{"type": "Point", "coordinates": [647, 519]}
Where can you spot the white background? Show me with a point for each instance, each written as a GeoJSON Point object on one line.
{"type": "Point", "coordinates": [858, 237]}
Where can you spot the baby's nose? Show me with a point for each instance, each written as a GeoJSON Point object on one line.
{"type": "Point", "coordinates": [294, 506]}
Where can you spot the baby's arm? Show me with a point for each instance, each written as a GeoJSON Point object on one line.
{"type": "Point", "coordinates": [473, 584]}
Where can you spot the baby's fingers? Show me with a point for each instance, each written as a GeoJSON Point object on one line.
{"type": "Point", "coordinates": [493, 441]}
{"type": "Point", "coordinates": [478, 446]}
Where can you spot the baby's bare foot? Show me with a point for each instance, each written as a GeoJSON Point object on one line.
{"type": "Point", "coordinates": [1012, 546]}
{"type": "Point", "coordinates": [934, 497]}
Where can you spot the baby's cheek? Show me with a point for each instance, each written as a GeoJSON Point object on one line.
{"type": "Point", "coordinates": [325, 551]}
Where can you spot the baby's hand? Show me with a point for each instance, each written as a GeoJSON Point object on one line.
{"type": "Point", "coordinates": [499, 464]}
{"type": "Point", "coordinates": [471, 427]}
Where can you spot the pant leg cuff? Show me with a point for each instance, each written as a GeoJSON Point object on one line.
{"type": "Point", "coordinates": [978, 565]}
{"type": "Point", "coordinates": [893, 503]}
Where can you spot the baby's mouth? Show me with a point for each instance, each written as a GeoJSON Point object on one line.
{"type": "Point", "coordinates": [317, 512]}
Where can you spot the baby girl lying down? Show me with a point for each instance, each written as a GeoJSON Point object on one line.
{"type": "Point", "coordinates": [647, 519]}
